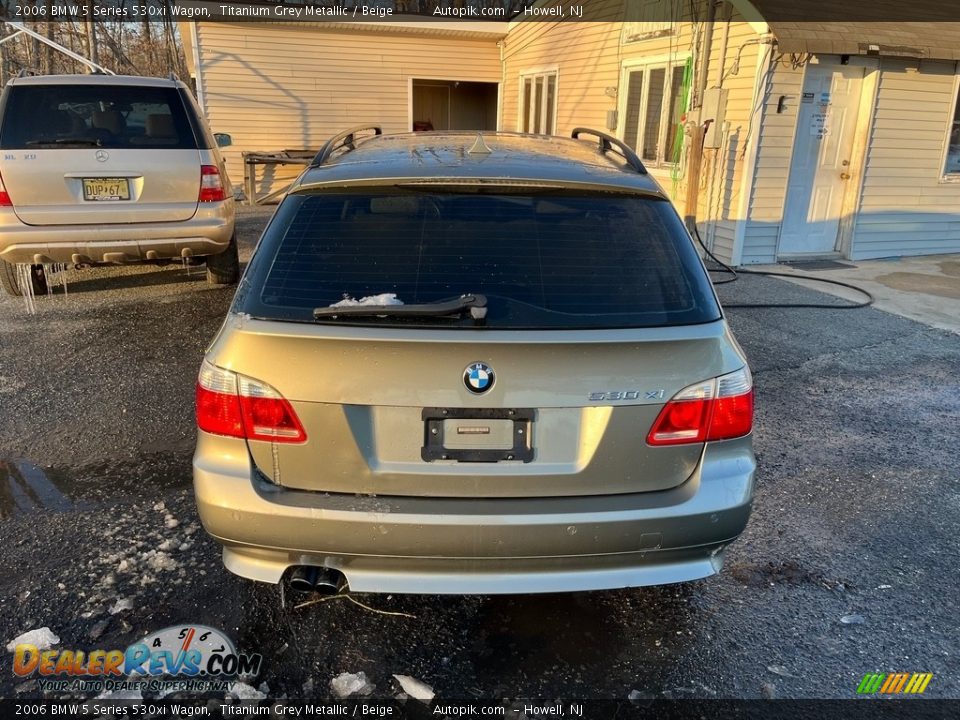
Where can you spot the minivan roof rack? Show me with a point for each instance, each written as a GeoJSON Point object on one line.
{"type": "Point", "coordinates": [346, 139]}
{"type": "Point", "coordinates": [609, 142]}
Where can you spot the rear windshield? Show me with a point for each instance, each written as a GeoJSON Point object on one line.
{"type": "Point", "coordinates": [547, 260]}
{"type": "Point", "coordinates": [107, 116]}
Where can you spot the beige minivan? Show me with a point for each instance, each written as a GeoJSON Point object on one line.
{"type": "Point", "coordinates": [104, 169]}
{"type": "Point", "coordinates": [462, 365]}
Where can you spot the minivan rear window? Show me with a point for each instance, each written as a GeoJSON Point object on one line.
{"type": "Point", "coordinates": [107, 116]}
{"type": "Point", "coordinates": [549, 260]}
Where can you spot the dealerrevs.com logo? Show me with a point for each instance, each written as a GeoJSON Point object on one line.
{"type": "Point", "coordinates": [182, 657]}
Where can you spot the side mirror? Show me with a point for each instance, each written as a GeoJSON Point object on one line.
{"type": "Point", "coordinates": [223, 139]}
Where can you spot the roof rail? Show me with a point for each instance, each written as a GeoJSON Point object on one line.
{"type": "Point", "coordinates": [346, 139]}
{"type": "Point", "coordinates": [609, 142]}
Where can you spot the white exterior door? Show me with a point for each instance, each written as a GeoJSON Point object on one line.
{"type": "Point", "coordinates": [821, 159]}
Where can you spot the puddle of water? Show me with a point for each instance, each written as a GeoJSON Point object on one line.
{"type": "Point", "coordinates": [923, 283]}
{"type": "Point", "coordinates": [24, 488]}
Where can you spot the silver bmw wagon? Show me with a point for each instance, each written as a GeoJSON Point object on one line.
{"type": "Point", "coordinates": [474, 364]}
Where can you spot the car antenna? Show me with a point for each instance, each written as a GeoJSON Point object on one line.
{"type": "Point", "coordinates": [479, 147]}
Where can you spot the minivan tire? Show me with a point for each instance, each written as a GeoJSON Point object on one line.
{"type": "Point", "coordinates": [11, 283]}
{"type": "Point", "coordinates": [224, 268]}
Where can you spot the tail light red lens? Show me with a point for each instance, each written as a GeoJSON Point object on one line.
{"type": "Point", "coordinates": [211, 184]}
{"type": "Point", "coordinates": [5, 200]}
{"type": "Point", "coordinates": [237, 406]}
{"type": "Point", "coordinates": [717, 409]}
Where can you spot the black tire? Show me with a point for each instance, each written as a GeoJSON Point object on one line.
{"type": "Point", "coordinates": [11, 283]}
{"type": "Point", "coordinates": [224, 269]}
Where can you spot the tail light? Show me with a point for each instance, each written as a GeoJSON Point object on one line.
{"type": "Point", "coordinates": [5, 200]}
{"type": "Point", "coordinates": [717, 409]}
{"type": "Point", "coordinates": [211, 184]}
{"type": "Point", "coordinates": [237, 406]}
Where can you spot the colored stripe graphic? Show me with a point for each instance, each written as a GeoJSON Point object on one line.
{"type": "Point", "coordinates": [870, 683]}
{"type": "Point", "coordinates": [894, 680]}
{"type": "Point", "coordinates": [894, 683]}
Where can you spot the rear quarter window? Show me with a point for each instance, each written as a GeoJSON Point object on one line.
{"type": "Point", "coordinates": [107, 116]}
{"type": "Point", "coordinates": [549, 260]}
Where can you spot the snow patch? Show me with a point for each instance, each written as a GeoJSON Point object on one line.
{"type": "Point", "coordinates": [120, 695]}
{"type": "Point", "coordinates": [414, 688]}
{"type": "Point", "coordinates": [242, 691]}
{"type": "Point", "coordinates": [346, 684]}
{"type": "Point", "coordinates": [120, 605]}
{"type": "Point", "coordinates": [43, 638]}
{"type": "Point", "coordinates": [382, 299]}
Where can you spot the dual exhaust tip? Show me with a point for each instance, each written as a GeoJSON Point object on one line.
{"type": "Point", "coordinates": [323, 580]}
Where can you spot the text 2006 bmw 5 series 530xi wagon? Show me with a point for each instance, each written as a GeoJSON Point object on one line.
{"type": "Point", "coordinates": [474, 365]}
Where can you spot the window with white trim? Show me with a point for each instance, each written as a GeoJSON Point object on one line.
{"type": "Point", "coordinates": [952, 165]}
{"type": "Point", "coordinates": [653, 111]}
{"type": "Point", "coordinates": [538, 103]}
{"type": "Point", "coordinates": [655, 20]}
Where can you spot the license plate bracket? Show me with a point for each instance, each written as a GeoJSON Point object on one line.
{"type": "Point", "coordinates": [99, 189]}
{"type": "Point", "coordinates": [434, 447]}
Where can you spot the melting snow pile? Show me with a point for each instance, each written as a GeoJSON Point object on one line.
{"type": "Point", "coordinates": [43, 638]}
{"type": "Point", "coordinates": [121, 605]}
{"type": "Point", "coordinates": [346, 684]}
{"type": "Point", "coordinates": [242, 691]}
{"type": "Point", "coordinates": [414, 688]}
{"type": "Point", "coordinates": [382, 299]}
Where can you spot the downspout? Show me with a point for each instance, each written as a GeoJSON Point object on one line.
{"type": "Point", "coordinates": [703, 71]}
{"type": "Point", "coordinates": [750, 152]}
{"type": "Point", "coordinates": [502, 44]}
{"type": "Point", "coordinates": [198, 66]}
{"type": "Point", "coordinates": [695, 152]}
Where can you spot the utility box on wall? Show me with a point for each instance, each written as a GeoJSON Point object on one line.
{"type": "Point", "coordinates": [714, 109]}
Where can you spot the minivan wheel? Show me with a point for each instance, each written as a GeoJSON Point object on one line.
{"type": "Point", "coordinates": [224, 268]}
{"type": "Point", "coordinates": [11, 283]}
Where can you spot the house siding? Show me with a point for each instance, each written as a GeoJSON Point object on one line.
{"type": "Point", "coordinates": [905, 207]}
{"type": "Point", "coordinates": [275, 87]}
{"type": "Point", "coordinates": [589, 58]}
{"type": "Point", "coordinates": [774, 152]}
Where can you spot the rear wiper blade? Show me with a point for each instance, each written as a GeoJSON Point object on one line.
{"type": "Point", "coordinates": [474, 302]}
{"type": "Point", "coordinates": [87, 142]}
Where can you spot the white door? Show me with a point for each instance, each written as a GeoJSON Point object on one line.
{"type": "Point", "coordinates": [821, 159]}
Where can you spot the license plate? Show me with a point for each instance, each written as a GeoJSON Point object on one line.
{"type": "Point", "coordinates": [106, 189]}
{"type": "Point", "coordinates": [477, 435]}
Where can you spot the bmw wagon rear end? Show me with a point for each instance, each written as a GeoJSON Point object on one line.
{"type": "Point", "coordinates": [449, 371]}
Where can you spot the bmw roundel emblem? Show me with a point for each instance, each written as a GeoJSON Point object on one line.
{"type": "Point", "coordinates": [478, 377]}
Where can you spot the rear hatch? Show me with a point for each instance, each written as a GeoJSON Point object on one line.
{"type": "Point", "coordinates": [98, 154]}
{"type": "Point", "coordinates": [597, 312]}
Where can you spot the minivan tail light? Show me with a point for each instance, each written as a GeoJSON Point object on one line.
{"type": "Point", "coordinates": [238, 406]}
{"type": "Point", "coordinates": [5, 200]}
{"type": "Point", "coordinates": [211, 184]}
{"type": "Point", "coordinates": [717, 409]}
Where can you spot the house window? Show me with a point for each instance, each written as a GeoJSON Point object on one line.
{"type": "Point", "coordinates": [654, 108]}
{"type": "Point", "coordinates": [648, 19]}
{"type": "Point", "coordinates": [952, 167]}
{"type": "Point", "coordinates": [538, 107]}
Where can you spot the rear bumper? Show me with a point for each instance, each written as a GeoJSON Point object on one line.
{"type": "Point", "coordinates": [208, 232]}
{"type": "Point", "coordinates": [443, 545]}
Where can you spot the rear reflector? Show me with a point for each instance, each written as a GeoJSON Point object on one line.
{"type": "Point", "coordinates": [238, 406]}
{"type": "Point", "coordinates": [717, 409]}
{"type": "Point", "coordinates": [211, 184]}
{"type": "Point", "coordinates": [5, 200]}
